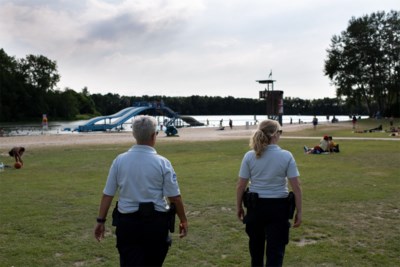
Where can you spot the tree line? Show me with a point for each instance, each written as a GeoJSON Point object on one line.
{"type": "Point", "coordinates": [363, 63]}
{"type": "Point", "coordinates": [28, 90]}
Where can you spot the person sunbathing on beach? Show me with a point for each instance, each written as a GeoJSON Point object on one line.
{"type": "Point", "coordinates": [377, 129]}
{"type": "Point", "coordinates": [333, 147]}
{"type": "Point", "coordinates": [318, 149]}
{"type": "Point", "coordinates": [394, 131]}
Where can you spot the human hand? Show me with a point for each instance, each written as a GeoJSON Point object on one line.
{"type": "Point", "coordinates": [183, 229]}
{"type": "Point", "coordinates": [240, 214]}
{"type": "Point", "coordinates": [297, 219]}
{"type": "Point", "coordinates": [99, 231]}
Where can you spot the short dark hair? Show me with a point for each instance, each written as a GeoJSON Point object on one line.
{"type": "Point", "coordinates": [20, 149]}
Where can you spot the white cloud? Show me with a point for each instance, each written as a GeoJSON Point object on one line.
{"type": "Point", "coordinates": [174, 47]}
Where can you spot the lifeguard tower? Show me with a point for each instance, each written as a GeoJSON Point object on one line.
{"type": "Point", "coordinates": [274, 100]}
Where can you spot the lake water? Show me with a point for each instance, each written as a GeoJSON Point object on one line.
{"type": "Point", "coordinates": [241, 120]}
{"type": "Point", "coordinates": [59, 127]}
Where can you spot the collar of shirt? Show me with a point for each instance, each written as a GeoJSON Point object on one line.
{"type": "Point", "coordinates": [273, 147]}
{"type": "Point", "coordinates": [143, 148]}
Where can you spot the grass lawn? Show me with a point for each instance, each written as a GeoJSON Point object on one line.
{"type": "Point", "coordinates": [351, 205]}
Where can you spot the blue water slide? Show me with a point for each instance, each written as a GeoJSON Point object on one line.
{"type": "Point", "coordinates": [104, 123]}
{"type": "Point", "coordinates": [113, 116]}
{"type": "Point", "coordinates": [121, 116]}
{"type": "Point", "coordinates": [127, 116]}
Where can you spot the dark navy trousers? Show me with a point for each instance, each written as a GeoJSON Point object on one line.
{"type": "Point", "coordinates": [267, 226]}
{"type": "Point", "coordinates": [142, 241]}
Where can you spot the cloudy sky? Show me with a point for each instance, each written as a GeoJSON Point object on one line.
{"type": "Point", "coordinates": [183, 47]}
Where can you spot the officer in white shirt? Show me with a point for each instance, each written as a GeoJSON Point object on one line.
{"type": "Point", "coordinates": [269, 169]}
{"type": "Point", "coordinates": [144, 180]}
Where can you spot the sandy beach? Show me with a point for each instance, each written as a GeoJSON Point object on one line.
{"type": "Point", "coordinates": [185, 134]}
{"type": "Point", "coordinates": [188, 134]}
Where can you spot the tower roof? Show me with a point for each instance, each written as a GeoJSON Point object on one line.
{"type": "Point", "coordinates": [266, 81]}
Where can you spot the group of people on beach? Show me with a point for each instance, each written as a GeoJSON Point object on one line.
{"type": "Point", "coordinates": [326, 145]}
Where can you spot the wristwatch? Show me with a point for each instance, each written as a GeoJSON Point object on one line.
{"type": "Point", "coordinates": [100, 220]}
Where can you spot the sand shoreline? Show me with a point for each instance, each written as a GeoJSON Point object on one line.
{"type": "Point", "coordinates": [191, 134]}
{"type": "Point", "coordinates": [185, 134]}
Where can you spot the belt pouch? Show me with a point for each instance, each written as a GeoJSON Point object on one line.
{"type": "Point", "coordinates": [291, 204]}
{"type": "Point", "coordinates": [171, 217]}
{"type": "Point", "coordinates": [250, 199]}
{"type": "Point", "coordinates": [115, 215]}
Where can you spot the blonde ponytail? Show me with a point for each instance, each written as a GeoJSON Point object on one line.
{"type": "Point", "coordinates": [262, 137]}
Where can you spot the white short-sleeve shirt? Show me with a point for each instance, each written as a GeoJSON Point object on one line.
{"type": "Point", "coordinates": [268, 174]}
{"type": "Point", "coordinates": [141, 175]}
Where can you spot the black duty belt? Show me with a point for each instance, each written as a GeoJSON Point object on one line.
{"type": "Point", "coordinates": [138, 214]}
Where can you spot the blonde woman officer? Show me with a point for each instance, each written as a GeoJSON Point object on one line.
{"type": "Point", "coordinates": [268, 168]}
